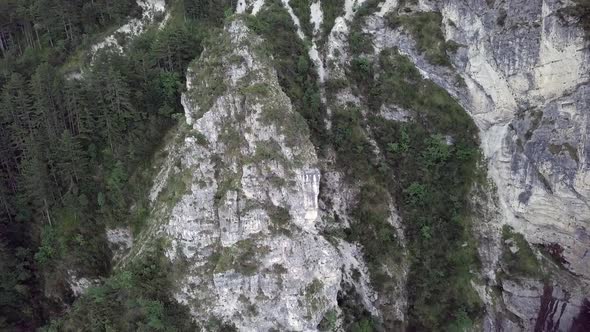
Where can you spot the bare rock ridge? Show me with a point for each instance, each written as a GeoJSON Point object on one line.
{"type": "Point", "coordinates": [237, 199]}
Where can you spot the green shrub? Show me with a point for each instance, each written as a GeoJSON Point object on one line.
{"type": "Point", "coordinates": [51, 249]}
{"type": "Point", "coordinates": [426, 28]}
{"type": "Point", "coordinates": [360, 42]}
{"type": "Point", "coordinates": [350, 142]}
{"type": "Point", "coordinates": [302, 10]}
{"type": "Point", "coordinates": [297, 77]}
{"type": "Point", "coordinates": [134, 299]}
{"type": "Point", "coordinates": [430, 180]}
{"type": "Point", "coordinates": [416, 194]}
{"type": "Point", "coordinates": [524, 261]}
{"type": "Point", "coordinates": [331, 9]}
{"type": "Point", "coordinates": [365, 325]}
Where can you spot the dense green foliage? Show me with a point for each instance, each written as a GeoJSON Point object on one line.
{"type": "Point", "coordinates": [359, 41]}
{"type": "Point", "coordinates": [75, 152]}
{"type": "Point", "coordinates": [135, 299]}
{"type": "Point", "coordinates": [297, 76]}
{"type": "Point", "coordinates": [518, 257]}
{"type": "Point", "coordinates": [302, 10]}
{"type": "Point", "coordinates": [206, 13]}
{"type": "Point", "coordinates": [426, 28]}
{"type": "Point", "coordinates": [33, 31]}
{"type": "Point", "coordinates": [429, 166]}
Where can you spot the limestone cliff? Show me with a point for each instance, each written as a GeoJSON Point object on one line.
{"type": "Point", "coordinates": [524, 69]}
{"type": "Point", "coordinates": [238, 200]}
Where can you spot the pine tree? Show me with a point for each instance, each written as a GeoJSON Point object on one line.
{"type": "Point", "coordinates": [35, 184]}
{"type": "Point", "coordinates": [6, 207]}
{"type": "Point", "coordinates": [46, 89]}
{"type": "Point", "coordinates": [71, 163]}
{"type": "Point", "coordinates": [17, 110]}
{"type": "Point", "coordinates": [114, 105]}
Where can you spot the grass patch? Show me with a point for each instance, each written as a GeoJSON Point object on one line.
{"type": "Point", "coordinates": [296, 74]}
{"type": "Point", "coordinates": [240, 257]}
{"type": "Point", "coordinates": [258, 89]}
{"type": "Point", "coordinates": [268, 151]}
{"type": "Point", "coordinates": [523, 261]}
{"type": "Point", "coordinates": [176, 186]}
{"type": "Point", "coordinates": [426, 28]}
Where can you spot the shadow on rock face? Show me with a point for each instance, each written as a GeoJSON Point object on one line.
{"type": "Point", "coordinates": [582, 322]}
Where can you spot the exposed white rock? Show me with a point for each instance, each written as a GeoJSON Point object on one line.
{"type": "Point", "coordinates": [151, 9]}
{"type": "Point", "coordinates": [249, 6]}
{"type": "Point", "coordinates": [551, 307]}
{"type": "Point", "coordinates": [317, 16]}
{"type": "Point", "coordinates": [120, 241]}
{"type": "Point", "coordinates": [394, 113]}
{"type": "Point", "coordinates": [241, 6]}
{"type": "Point", "coordinates": [294, 18]}
{"type": "Point", "coordinates": [79, 285]}
{"type": "Point", "coordinates": [556, 71]}
{"type": "Point", "coordinates": [256, 6]}
{"type": "Point", "coordinates": [387, 6]}
{"type": "Point", "coordinates": [237, 200]}
{"type": "Point", "coordinates": [354, 265]}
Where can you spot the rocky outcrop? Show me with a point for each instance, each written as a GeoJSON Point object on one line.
{"type": "Point", "coordinates": [152, 11]}
{"type": "Point", "coordinates": [539, 306]}
{"type": "Point", "coordinates": [236, 200]}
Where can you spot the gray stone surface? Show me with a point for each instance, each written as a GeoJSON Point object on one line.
{"type": "Point", "coordinates": [236, 199]}
{"type": "Point", "coordinates": [526, 73]}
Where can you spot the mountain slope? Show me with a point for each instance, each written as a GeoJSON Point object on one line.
{"type": "Point", "coordinates": [367, 165]}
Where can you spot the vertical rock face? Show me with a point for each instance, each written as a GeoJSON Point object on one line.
{"type": "Point", "coordinates": [527, 75]}
{"type": "Point", "coordinates": [526, 71]}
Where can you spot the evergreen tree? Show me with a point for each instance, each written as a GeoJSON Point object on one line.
{"type": "Point", "coordinates": [17, 110]}
{"type": "Point", "coordinates": [71, 163]}
{"type": "Point", "coordinates": [35, 184]}
{"type": "Point", "coordinates": [46, 89]}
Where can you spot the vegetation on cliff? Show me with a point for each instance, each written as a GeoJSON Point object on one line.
{"type": "Point", "coordinates": [72, 149]}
